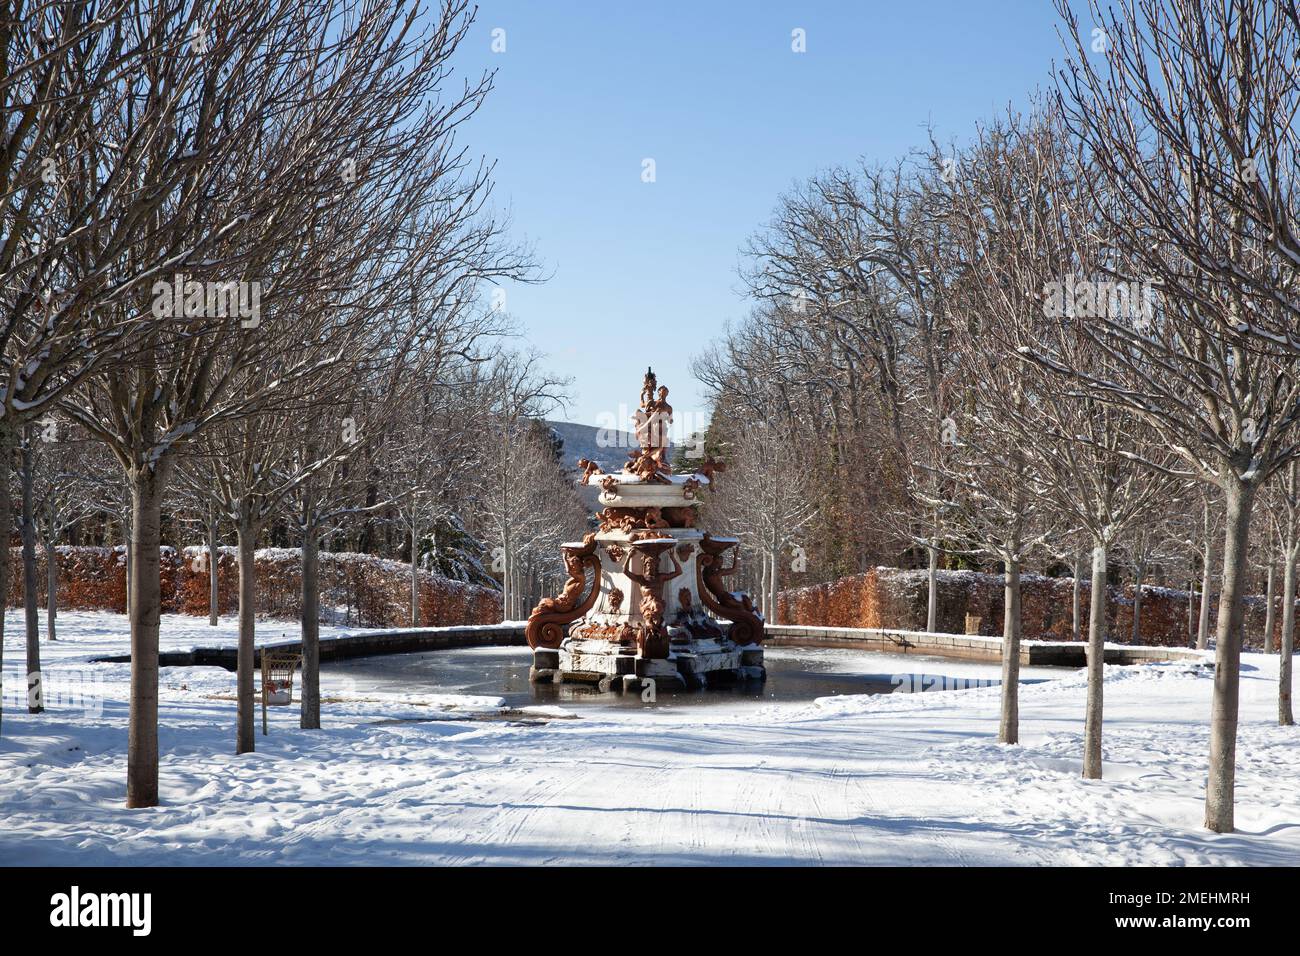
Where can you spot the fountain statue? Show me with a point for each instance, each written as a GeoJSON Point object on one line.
{"type": "Point", "coordinates": [646, 598]}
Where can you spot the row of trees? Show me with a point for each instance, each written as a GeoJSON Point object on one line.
{"type": "Point", "coordinates": [244, 252]}
{"type": "Point", "coordinates": [1072, 337]}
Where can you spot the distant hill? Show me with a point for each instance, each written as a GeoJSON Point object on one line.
{"type": "Point", "coordinates": [585, 441]}
{"type": "Point", "coordinates": [608, 448]}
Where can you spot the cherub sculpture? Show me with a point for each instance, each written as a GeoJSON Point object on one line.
{"type": "Point", "coordinates": [709, 467]}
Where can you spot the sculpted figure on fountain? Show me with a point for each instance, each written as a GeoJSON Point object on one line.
{"type": "Point", "coordinates": [648, 537]}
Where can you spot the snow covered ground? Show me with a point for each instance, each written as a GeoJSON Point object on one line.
{"type": "Point", "coordinates": [436, 778]}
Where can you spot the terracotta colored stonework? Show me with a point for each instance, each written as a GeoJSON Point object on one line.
{"type": "Point", "coordinates": [378, 592]}
{"type": "Point", "coordinates": [894, 598]}
{"type": "Point", "coordinates": [648, 595]}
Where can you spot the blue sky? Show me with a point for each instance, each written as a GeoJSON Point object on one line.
{"type": "Point", "coordinates": [645, 273]}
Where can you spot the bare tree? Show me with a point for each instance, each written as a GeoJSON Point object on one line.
{"type": "Point", "coordinates": [195, 493]}
{"type": "Point", "coordinates": [370, 355]}
{"type": "Point", "coordinates": [73, 482]}
{"type": "Point", "coordinates": [1071, 546]}
{"type": "Point", "coordinates": [309, 133]}
{"type": "Point", "coordinates": [65, 188]}
{"type": "Point", "coordinates": [1154, 540]}
{"type": "Point", "coordinates": [31, 613]}
{"type": "Point", "coordinates": [1028, 234]}
{"type": "Point", "coordinates": [1270, 604]}
{"type": "Point", "coordinates": [1282, 500]}
{"type": "Point", "coordinates": [855, 270]}
{"type": "Point", "coordinates": [1184, 114]}
{"type": "Point", "coordinates": [432, 457]}
{"type": "Point", "coordinates": [1208, 530]}
{"type": "Point", "coordinates": [767, 502]}
{"type": "Point", "coordinates": [515, 456]}
{"type": "Point", "coordinates": [251, 477]}
{"type": "Point", "coordinates": [991, 508]}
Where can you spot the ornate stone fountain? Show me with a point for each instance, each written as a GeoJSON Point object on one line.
{"type": "Point", "coordinates": [646, 598]}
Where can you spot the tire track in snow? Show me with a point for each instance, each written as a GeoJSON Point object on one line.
{"type": "Point", "coordinates": [861, 787]}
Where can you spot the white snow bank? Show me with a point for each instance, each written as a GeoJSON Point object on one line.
{"type": "Point", "coordinates": [418, 779]}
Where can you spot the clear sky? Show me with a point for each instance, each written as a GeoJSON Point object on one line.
{"type": "Point", "coordinates": [645, 273]}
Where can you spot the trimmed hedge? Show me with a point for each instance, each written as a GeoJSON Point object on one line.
{"type": "Point", "coordinates": [357, 589]}
{"type": "Point", "coordinates": [894, 598]}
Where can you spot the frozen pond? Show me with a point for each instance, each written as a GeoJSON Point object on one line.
{"type": "Point", "coordinates": [793, 674]}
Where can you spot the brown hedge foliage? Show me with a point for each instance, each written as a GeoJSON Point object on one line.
{"type": "Point", "coordinates": [191, 589]}
{"type": "Point", "coordinates": [894, 598]}
{"type": "Point", "coordinates": [89, 578]}
{"type": "Point", "coordinates": [355, 589]}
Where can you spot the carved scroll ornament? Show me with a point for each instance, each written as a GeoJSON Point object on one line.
{"type": "Point", "coordinates": [546, 624]}
{"type": "Point", "coordinates": [747, 625]}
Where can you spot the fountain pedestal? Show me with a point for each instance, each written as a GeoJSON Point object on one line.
{"type": "Point", "coordinates": [646, 599]}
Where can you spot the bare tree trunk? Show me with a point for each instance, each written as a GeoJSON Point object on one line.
{"type": "Point", "coordinates": [128, 539]}
{"type": "Point", "coordinates": [1268, 611]}
{"type": "Point", "coordinates": [515, 598]}
{"type": "Point", "coordinates": [51, 589]}
{"type": "Point", "coordinates": [1203, 623]}
{"type": "Point", "coordinates": [1096, 664]}
{"type": "Point", "coordinates": [1191, 611]}
{"type": "Point", "coordinates": [1137, 603]}
{"type": "Point", "coordinates": [1284, 716]}
{"type": "Point", "coordinates": [144, 597]}
{"type": "Point", "coordinates": [310, 711]}
{"type": "Point", "coordinates": [415, 573]}
{"type": "Point", "coordinates": [6, 517]}
{"type": "Point", "coordinates": [1009, 728]}
{"type": "Point", "coordinates": [245, 737]}
{"type": "Point", "coordinates": [214, 592]}
{"type": "Point", "coordinates": [932, 592]}
{"type": "Point", "coordinates": [774, 588]}
{"type": "Point", "coordinates": [1077, 599]}
{"type": "Point", "coordinates": [505, 586]}
{"type": "Point", "coordinates": [31, 612]}
{"type": "Point", "coordinates": [510, 576]}
{"type": "Point", "coordinates": [1219, 786]}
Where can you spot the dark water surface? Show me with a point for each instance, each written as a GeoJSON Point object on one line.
{"type": "Point", "coordinates": [793, 674]}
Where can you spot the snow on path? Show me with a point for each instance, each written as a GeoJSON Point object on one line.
{"type": "Point", "coordinates": [896, 779]}
{"type": "Point", "coordinates": [84, 635]}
